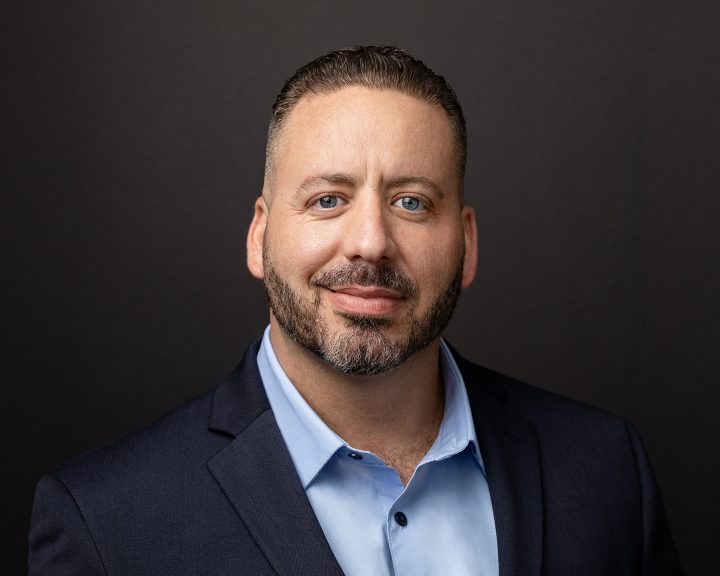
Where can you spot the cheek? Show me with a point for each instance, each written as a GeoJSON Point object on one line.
{"type": "Point", "coordinates": [315, 241]}
{"type": "Point", "coordinates": [299, 249]}
{"type": "Point", "coordinates": [425, 257]}
{"type": "Point", "coordinates": [434, 258]}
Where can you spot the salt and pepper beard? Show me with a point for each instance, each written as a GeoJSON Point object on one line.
{"type": "Point", "coordinates": [362, 348]}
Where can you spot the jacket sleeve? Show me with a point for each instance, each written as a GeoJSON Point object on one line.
{"type": "Point", "coordinates": [660, 557]}
{"type": "Point", "coordinates": [60, 542]}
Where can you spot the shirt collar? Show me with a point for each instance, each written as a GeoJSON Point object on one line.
{"type": "Point", "coordinates": [457, 430]}
{"type": "Point", "coordinates": [312, 443]}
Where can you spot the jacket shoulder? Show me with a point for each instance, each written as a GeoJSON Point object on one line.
{"type": "Point", "coordinates": [571, 435]}
{"type": "Point", "coordinates": [180, 442]}
{"type": "Point", "coordinates": [544, 409]}
{"type": "Point", "coordinates": [176, 441]}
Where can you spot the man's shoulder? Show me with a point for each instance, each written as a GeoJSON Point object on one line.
{"type": "Point", "coordinates": [569, 437]}
{"type": "Point", "coordinates": [178, 439]}
{"type": "Point", "coordinates": [181, 440]}
{"type": "Point", "coordinates": [548, 412]}
{"type": "Point", "coordinates": [137, 502]}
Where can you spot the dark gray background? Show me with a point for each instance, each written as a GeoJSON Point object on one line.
{"type": "Point", "coordinates": [134, 136]}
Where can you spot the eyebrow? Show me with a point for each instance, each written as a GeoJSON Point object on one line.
{"type": "Point", "coordinates": [339, 178]}
{"type": "Point", "coordinates": [415, 180]}
{"type": "Point", "coordinates": [317, 181]}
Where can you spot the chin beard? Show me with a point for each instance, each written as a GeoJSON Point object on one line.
{"type": "Point", "coordinates": [362, 347]}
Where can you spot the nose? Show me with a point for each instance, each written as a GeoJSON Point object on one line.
{"type": "Point", "coordinates": [368, 235]}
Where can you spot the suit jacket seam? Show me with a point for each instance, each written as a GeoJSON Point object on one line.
{"type": "Point", "coordinates": [629, 435]}
{"type": "Point", "coordinates": [84, 520]}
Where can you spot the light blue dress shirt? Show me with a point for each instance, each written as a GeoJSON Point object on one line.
{"type": "Point", "coordinates": [441, 523]}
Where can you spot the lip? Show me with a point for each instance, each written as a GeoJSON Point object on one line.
{"type": "Point", "coordinates": [365, 300]}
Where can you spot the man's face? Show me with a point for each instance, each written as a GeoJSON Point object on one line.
{"type": "Point", "coordinates": [361, 237]}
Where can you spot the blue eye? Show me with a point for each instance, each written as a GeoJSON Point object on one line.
{"type": "Point", "coordinates": [411, 203]}
{"type": "Point", "coordinates": [328, 202]}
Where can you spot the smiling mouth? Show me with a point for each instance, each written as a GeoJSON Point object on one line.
{"type": "Point", "coordinates": [364, 300]}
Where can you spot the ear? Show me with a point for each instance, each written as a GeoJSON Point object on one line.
{"type": "Point", "coordinates": [256, 239]}
{"type": "Point", "coordinates": [471, 247]}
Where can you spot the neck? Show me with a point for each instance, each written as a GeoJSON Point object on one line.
{"type": "Point", "coordinates": [395, 415]}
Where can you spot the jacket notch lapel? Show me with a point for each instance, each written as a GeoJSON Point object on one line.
{"type": "Point", "coordinates": [510, 452]}
{"type": "Point", "coordinates": [264, 489]}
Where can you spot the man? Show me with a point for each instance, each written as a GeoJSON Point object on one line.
{"type": "Point", "coordinates": [352, 438]}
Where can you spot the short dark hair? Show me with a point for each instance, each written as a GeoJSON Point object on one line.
{"type": "Point", "coordinates": [383, 67]}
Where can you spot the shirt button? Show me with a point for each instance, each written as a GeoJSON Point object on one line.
{"type": "Point", "coordinates": [400, 518]}
{"type": "Point", "coordinates": [355, 456]}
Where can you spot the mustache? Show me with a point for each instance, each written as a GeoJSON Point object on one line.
{"type": "Point", "coordinates": [362, 274]}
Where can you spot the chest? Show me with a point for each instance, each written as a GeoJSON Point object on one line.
{"type": "Point", "coordinates": [376, 525]}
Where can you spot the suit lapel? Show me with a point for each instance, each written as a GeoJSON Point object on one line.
{"type": "Point", "coordinates": [509, 449]}
{"type": "Point", "coordinates": [258, 477]}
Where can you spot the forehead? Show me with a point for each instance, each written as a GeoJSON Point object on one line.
{"type": "Point", "coordinates": [363, 130]}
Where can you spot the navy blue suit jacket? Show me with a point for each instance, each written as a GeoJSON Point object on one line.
{"type": "Point", "coordinates": [210, 490]}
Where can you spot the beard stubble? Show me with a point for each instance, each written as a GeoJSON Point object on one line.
{"type": "Point", "coordinates": [362, 347]}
